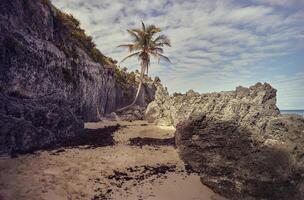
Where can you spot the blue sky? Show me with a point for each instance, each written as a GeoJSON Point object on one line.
{"type": "Point", "coordinates": [216, 44]}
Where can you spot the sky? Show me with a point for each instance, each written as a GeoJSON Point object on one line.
{"type": "Point", "coordinates": [217, 45]}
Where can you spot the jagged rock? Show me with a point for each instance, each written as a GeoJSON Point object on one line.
{"type": "Point", "coordinates": [246, 163]}
{"type": "Point", "coordinates": [237, 140]}
{"type": "Point", "coordinates": [113, 116]}
{"type": "Point", "coordinates": [130, 114]}
{"type": "Point", "coordinates": [158, 110]}
{"type": "Point", "coordinates": [27, 124]}
{"type": "Point", "coordinates": [258, 101]}
{"type": "Point", "coordinates": [134, 113]}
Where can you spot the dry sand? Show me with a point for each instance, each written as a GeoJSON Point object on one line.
{"type": "Point", "coordinates": [121, 171]}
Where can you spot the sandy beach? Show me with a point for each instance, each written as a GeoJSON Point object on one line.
{"type": "Point", "coordinates": [142, 164]}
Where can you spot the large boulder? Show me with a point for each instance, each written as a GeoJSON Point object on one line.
{"type": "Point", "coordinates": [238, 141]}
{"type": "Point", "coordinates": [240, 162]}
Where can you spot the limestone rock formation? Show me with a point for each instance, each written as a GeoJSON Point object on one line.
{"type": "Point", "coordinates": [44, 52]}
{"type": "Point", "coordinates": [246, 163]}
{"type": "Point", "coordinates": [243, 104]}
{"type": "Point", "coordinates": [45, 59]}
{"type": "Point", "coordinates": [238, 141]}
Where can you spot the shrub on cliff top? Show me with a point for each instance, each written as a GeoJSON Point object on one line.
{"type": "Point", "coordinates": [124, 78]}
{"type": "Point", "coordinates": [69, 32]}
{"type": "Point", "coordinates": [46, 2]}
{"type": "Point", "coordinates": [70, 26]}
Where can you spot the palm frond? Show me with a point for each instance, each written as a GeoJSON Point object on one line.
{"type": "Point", "coordinates": [134, 35]}
{"type": "Point", "coordinates": [140, 33]}
{"type": "Point", "coordinates": [143, 26]}
{"type": "Point", "coordinates": [162, 40]}
{"type": "Point", "coordinates": [125, 45]}
{"type": "Point", "coordinates": [157, 50]}
{"type": "Point", "coordinates": [131, 55]}
{"type": "Point", "coordinates": [165, 58]}
{"type": "Point", "coordinates": [155, 55]}
{"type": "Point", "coordinates": [152, 29]}
{"type": "Point", "coordinates": [131, 47]}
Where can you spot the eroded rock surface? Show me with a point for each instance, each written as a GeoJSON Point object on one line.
{"type": "Point", "coordinates": [240, 162]}
{"type": "Point", "coordinates": [238, 141]}
{"type": "Point", "coordinates": [42, 55]}
{"type": "Point", "coordinates": [244, 104]}
{"type": "Point", "coordinates": [47, 59]}
{"type": "Point", "coordinates": [30, 124]}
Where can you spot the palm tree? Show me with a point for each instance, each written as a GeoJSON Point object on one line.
{"type": "Point", "coordinates": [145, 43]}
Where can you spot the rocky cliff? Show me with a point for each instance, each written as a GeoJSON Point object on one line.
{"type": "Point", "coordinates": [238, 142]}
{"type": "Point", "coordinates": [46, 58]}
{"type": "Point", "coordinates": [44, 52]}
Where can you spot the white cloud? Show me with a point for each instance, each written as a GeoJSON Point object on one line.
{"type": "Point", "coordinates": [285, 3]}
{"type": "Point", "coordinates": [216, 44]}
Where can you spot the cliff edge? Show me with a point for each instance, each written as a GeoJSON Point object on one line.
{"type": "Point", "coordinates": [49, 66]}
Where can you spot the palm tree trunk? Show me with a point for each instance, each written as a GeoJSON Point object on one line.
{"type": "Point", "coordinates": [98, 114]}
{"type": "Point", "coordinates": [138, 89]}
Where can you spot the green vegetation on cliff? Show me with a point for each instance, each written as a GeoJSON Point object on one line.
{"type": "Point", "coordinates": [69, 32]}
{"type": "Point", "coordinates": [71, 26]}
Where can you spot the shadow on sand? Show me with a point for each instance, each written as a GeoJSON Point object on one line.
{"type": "Point", "coordinates": [89, 138]}
{"type": "Point", "coordinates": [138, 141]}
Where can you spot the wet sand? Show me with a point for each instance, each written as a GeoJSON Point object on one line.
{"type": "Point", "coordinates": [141, 163]}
